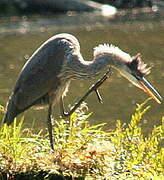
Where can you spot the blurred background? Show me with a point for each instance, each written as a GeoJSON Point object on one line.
{"type": "Point", "coordinates": [135, 26]}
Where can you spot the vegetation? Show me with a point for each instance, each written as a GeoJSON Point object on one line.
{"type": "Point", "coordinates": [83, 151]}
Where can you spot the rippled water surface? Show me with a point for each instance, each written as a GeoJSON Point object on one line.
{"type": "Point", "coordinates": [19, 38]}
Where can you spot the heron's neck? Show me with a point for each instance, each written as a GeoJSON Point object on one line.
{"type": "Point", "coordinates": [101, 62]}
{"type": "Point", "coordinates": [87, 69]}
{"type": "Point", "coordinates": [104, 56]}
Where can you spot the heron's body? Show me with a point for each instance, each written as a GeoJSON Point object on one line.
{"type": "Point", "coordinates": [46, 76]}
{"type": "Point", "coordinates": [40, 80]}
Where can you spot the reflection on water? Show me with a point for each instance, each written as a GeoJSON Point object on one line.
{"type": "Point", "coordinates": [119, 96]}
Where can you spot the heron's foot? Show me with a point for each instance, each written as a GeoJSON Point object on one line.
{"type": "Point", "coordinates": [99, 96]}
{"type": "Point", "coordinates": [95, 86]}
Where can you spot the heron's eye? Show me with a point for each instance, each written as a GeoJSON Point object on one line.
{"type": "Point", "coordinates": [133, 65]}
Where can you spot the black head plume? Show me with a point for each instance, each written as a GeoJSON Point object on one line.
{"type": "Point", "coordinates": [138, 67]}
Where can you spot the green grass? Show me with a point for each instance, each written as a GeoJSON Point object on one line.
{"type": "Point", "coordinates": [83, 151]}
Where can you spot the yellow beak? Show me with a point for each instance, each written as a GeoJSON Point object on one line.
{"type": "Point", "coordinates": [148, 88]}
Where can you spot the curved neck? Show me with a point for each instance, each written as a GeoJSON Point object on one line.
{"type": "Point", "coordinates": [104, 56]}
{"type": "Point", "coordinates": [86, 69]}
{"type": "Point", "coordinates": [101, 62]}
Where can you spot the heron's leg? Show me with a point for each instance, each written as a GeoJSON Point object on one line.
{"type": "Point", "coordinates": [49, 123]}
{"type": "Point", "coordinates": [62, 109]}
{"type": "Point", "coordinates": [94, 87]}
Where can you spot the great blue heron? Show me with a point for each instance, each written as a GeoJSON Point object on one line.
{"type": "Point", "coordinates": [46, 76]}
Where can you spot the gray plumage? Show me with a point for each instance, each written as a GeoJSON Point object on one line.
{"type": "Point", "coordinates": [46, 75]}
{"type": "Point", "coordinates": [39, 77]}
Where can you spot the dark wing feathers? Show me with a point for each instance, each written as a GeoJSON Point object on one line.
{"type": "Point", "coordinates": [39, 75]}
{"type": "Point", "coordinates": [37, 78]}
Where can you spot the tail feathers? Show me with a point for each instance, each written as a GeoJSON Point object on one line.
{"type": "Point", "coordinates": [11, 112]}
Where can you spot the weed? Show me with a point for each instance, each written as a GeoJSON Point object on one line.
{"type": "Point", "coordinates": [84, 150]}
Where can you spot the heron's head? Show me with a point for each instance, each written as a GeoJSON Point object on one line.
{"type": "Point", "coordinates": [132, 68]}
{"type": "Point", "coordinates": [135, 70]}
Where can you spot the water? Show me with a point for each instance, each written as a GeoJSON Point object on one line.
{"type": "Point", "coordinates": [20, 37]}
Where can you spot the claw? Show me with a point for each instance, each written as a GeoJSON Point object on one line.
{"type": "Point", "coordinates": [93, 88]}
{"type": "Point", "coordinates": [99, 96]}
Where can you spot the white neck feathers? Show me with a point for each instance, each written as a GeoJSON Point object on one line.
{"type": "Point", "coordinates": [111, 50]}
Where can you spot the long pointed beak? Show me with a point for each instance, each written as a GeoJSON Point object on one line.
{"type": "Point", "coordinates": [148, 88]}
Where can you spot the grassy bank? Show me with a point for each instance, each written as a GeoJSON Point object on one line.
{"type": "Point", "coordinates": [83, 151]}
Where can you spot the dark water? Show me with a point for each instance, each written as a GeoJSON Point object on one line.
{"type": "Point", "coordinates": [19, 38]}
